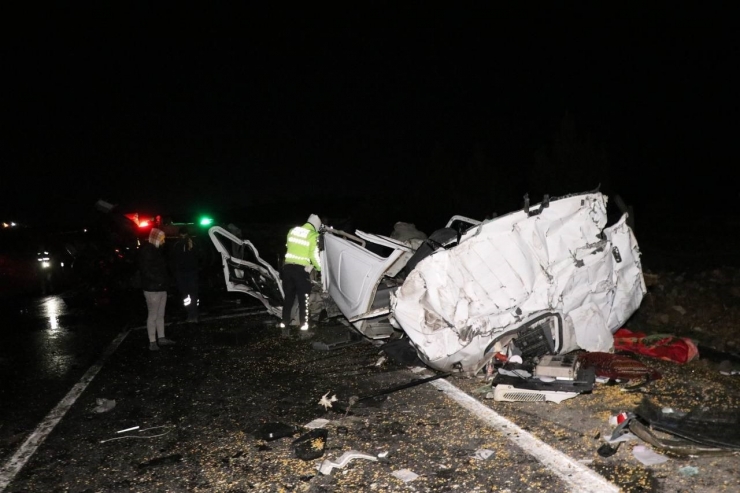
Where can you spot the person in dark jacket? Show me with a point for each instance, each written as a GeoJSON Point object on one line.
{"type": "Point", "coordinates": [184, 257]}
{"type": "Point", "coordinates": [153, 270]}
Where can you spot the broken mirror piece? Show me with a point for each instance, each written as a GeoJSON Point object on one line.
{"type": "Point", "coordinates": [311, 445]}
{"type": "Point", "coordinates": [272, 431]}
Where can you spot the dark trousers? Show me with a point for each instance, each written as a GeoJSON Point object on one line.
{"type": "Point", "coordinates": [187, 284]}
{"type": "Point", "coordinates": [296, 283]}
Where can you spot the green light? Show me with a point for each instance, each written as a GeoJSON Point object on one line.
{"type": "Point", "coordinates": [206, 221]}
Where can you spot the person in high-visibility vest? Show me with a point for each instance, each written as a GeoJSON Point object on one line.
{"type": "Point", "coordinates": [301, 258]}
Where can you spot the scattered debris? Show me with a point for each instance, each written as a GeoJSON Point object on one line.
{"type": "Point", "coordinates": [326, 401]}
{"type": "Point", "coordinates": [104, 405]}
{"type": "Point", "coordinates": [128, 429]}
{"type": "Point", "coordinates": [607, 450]}
{"type": "Point", "coordinates": [688, 471]}
{"type": "Point", "coordinates": [317, 423]}
{"type": "Point", "coordinates": [272, 431]}
{"type": "Point", "coordinates": [327, 466]}
{"type": "Point", "coordinates": [509, 393]}
{"type": "Point", "coordinates": [171, 427]}
{"type": "Point", "coordinates": [405, 475]}
{"type": "Point", "coordinates": [702, 425]}
{"type": "Point", "coordinates": [483, 453]}
{"type": "Point", "coordinates": [311, 445]}
{"type": "Point", "coordinates": [556, 378]}
{"type": "Point", "coordinates": [647, 456]}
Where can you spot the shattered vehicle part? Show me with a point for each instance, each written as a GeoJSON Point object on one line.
{"type": "Point", "coordinates": [702, 425]}
{"type": "Point", "coordinates": [311, 445]}
{"type": "Point", "coordinates": [508, 393]}
{"type": "Point", "coordinates": [459, 302]}
{"type": "Point", "coordinates": [328, 465]}
{"type": "Point", "coordinates": [582, 383]}
{"type": "Point", "coordinates": [680, 447]}
{"type": "Point", "coordinates": [550, 278]}
{"type": "Point", "coordinates": [246, 272]}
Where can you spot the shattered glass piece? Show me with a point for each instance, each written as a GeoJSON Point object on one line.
{"type": "Point", "coordinates": [688, 471]}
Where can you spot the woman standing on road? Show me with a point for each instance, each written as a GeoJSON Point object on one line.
{"type": "Point", "coordinates": [153, 270]}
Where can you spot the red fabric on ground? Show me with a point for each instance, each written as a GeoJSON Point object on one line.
{"type": "Point", "coordinates": [616, 366]}
{"type": "Point", "coordinates": [662, 346]}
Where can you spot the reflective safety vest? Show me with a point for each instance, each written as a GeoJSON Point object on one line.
{"type": "Point", "coordinates": [303, 246]}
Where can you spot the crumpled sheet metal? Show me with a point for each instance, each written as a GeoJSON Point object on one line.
{"type": "Point", "coordinates": [456, 301]}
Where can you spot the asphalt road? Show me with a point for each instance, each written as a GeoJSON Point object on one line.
{"type": "Point", "coordinates": [202, 406]}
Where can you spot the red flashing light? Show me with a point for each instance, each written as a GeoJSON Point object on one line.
{"type": "Point", "coordinates": [144, 224]}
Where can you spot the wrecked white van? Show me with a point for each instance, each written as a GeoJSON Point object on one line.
{"type": "Point", "coordinates": [551, 275]}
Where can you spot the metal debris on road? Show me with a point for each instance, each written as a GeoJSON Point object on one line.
{"type": "Point", "coordinates": [327, 466]}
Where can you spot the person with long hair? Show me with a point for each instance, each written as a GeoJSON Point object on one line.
{"type": "Point", "coordinates": [154, 281]}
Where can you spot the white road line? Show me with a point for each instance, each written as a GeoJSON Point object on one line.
{"type": "Point", "coordinates": [24, 453]}
{"type": "Point", "coordinates": [578, 477]}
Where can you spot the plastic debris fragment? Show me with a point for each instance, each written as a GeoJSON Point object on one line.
{"type": "Point", "coordinates": [405, 475]}
{"type": "Point", "coordinates": [104, 405]}
{"type": "Point", "coordinates": [647, 456]}
{"type": "Point", "coordinates": [317, 423]}
{"type": "Point", "coordinates": [483, 453]}
{"type": "Point", "coordinates": [327, 466]}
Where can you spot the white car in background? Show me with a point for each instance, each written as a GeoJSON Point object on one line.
{"type": "Point", "coordinates": [552, 274]}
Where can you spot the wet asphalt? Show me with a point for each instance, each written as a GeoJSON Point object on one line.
{"type": "Point", "coordinates": [203, 407]}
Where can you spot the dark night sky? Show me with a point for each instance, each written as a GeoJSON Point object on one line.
{"type": "Point", "coordinates": [173, 109]}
